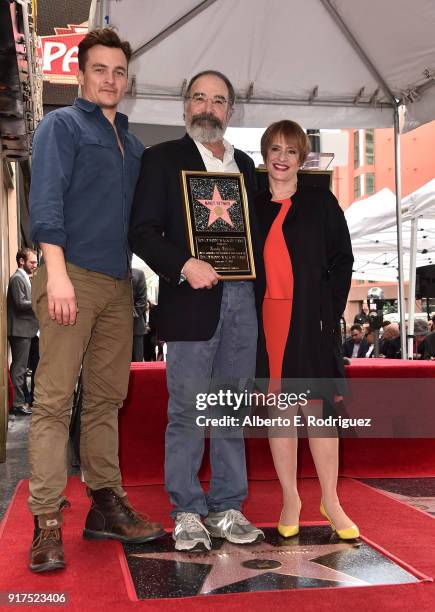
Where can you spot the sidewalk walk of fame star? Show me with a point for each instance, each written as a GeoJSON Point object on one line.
{"type": "Point", "coordinates": [218, 208]}
{"type": "Point", "coordinates": [313, 559]}
{"type": "Point", "coordinates": [227, 563]}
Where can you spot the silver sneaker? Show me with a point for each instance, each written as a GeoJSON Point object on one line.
{"type": "Point", "coordinates": [233, 526]}
{"type": "Point", "coordinates": [189, 532]}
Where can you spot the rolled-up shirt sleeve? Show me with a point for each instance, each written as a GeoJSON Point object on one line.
{"type": "Point", "coordinates": [52, 167]}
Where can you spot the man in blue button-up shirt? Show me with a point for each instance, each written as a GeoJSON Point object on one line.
{"type": "Point", "coordinates": [84, 171]}
{"type": "Point", "coordinates": [86, 166]}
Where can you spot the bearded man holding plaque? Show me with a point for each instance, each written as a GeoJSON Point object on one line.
{"type": "Point", "coordinates": [209, 323]}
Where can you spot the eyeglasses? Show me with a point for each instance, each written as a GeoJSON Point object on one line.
{"type": "Point", "coordinates": [200, 98]}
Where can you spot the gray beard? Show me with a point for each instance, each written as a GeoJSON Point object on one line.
{"type": "Point", "coordinates": [206, 134]}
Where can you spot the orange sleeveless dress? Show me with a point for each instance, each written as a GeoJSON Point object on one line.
{"type": "Point", "coordinates": [278, 298]}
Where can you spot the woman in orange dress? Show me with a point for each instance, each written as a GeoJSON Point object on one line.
{"type": "Point", "coordinates": [303, 281]}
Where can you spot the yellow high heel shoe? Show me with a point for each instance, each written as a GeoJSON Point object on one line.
{"type": "Point", "coordinates": [350, 533]}
{"type": "Point", "coordinates": [288, 531]}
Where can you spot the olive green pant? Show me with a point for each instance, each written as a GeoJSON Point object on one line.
{"type": "Point", "coordinates": [101, 341]}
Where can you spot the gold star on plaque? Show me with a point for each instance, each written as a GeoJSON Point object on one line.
{"type": "Point", "coordinates": [218, 208]}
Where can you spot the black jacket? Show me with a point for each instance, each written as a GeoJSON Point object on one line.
{"type": "Point", "coordinates": [158, 236]}
{"type": "Point", "coordinates": [348, 345]}
{"type": "Point", "coordinates": [318, 241]}
{"type": "Point", "coordinates": [139, 286]}
{"type": "Point", "coordinates": [22, 321]}
{"type": "Point", "coordinates": [391, 349]}
{"type": "Point", "coordinates": [427, 347]}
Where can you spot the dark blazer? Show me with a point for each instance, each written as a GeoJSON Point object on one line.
{"type": "Point", "coordinates": [21, 318]}
{"type": "Point", "coordinates": [391, 349]}
{"type": "Point", "coordinates": [158, 236]}
{"type": "Point", "coordinates": [318, 241]}
{"type": "Point", "coordinates": [427, 347]}
{"type": "Point", "coordinates": [348, 345]}
{"type": "Point", "coordinates": [139, 286]}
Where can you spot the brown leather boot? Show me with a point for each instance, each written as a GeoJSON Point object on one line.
{"type": "Point", "coordinates": [112, 517]}
{"type": "Point", "coordinates": [46, 553]}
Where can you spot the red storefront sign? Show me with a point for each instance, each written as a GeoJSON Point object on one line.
{"type": "Point", "coordinates": [58, 53]}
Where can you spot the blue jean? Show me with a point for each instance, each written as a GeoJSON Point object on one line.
{"type": "Point", "coordinates": [191, 366]}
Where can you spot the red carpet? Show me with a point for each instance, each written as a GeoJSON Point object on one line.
{"type": "Point", "coordinates": [390, 368]}
{"type": "Point", "coordinates": [143, 421]}
{"type": "Point", "coordinates": [94, 578]}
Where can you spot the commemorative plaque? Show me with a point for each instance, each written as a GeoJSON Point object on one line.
{"type": "Point", "coordinates": [217, 222]}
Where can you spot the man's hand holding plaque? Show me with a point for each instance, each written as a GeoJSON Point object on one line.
{"type": "Point", "coordinates": [199, 274]}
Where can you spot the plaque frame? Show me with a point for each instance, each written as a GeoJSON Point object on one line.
{"type": "Point", "coordinates": [193, 233]}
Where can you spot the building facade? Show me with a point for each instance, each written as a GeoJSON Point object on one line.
{"type": "Point", "coordinates": [20, 112]}
{"type": "Point", "coordinates": [370, 168]}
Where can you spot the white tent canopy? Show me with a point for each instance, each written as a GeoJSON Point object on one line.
{"type": "Point", "coordinates": [376, 254]}
{"type": "Point", "coordinates": [322, 63]}
{"type": "Point", "coordinates": [420, 203]}
{"type": "Point", "coordinates": [373, 231]}
{"type": "Point", "coordinates": [371, 214]}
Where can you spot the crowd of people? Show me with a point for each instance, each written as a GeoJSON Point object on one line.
{"type": "Point", "coordinates": [360, 341]}
{"type": "Point", "coordinates": [96, 195]}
